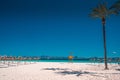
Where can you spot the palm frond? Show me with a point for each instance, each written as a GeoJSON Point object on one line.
{"type": "Point", "coordinates": [102, 11]}
{"type": "Point", "coordinates": [116, 5]}
{"type": "Point", "coordinates": [115, 12]}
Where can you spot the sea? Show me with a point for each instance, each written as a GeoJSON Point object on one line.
{"type": "Point", "coordinates": [61, 61]}
{"type": "Point", "coordinates": [67, 61]}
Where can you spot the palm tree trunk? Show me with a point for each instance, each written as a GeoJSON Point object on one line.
{"type": "Point", "coordinates": [104, 40]}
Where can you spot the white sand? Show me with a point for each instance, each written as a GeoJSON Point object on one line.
{"type": "Point", "coordinates": [59, 71]}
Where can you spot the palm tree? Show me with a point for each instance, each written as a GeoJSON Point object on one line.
{"type": "Point", "coordinates": [102, 12]}
{"type": "Point", "coordinates": [116, 6]}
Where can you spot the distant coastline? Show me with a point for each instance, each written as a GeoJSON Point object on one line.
{"type": "Point", "coordinates": [59, 59]}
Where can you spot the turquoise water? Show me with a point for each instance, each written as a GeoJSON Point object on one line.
{"type": "Point", "coordinates": [74, 61]}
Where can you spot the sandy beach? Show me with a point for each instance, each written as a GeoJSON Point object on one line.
{"type": "Point", "coordinates": [59, 71]}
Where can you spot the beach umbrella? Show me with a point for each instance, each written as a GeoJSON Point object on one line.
{"type": "Point", "coordinates": [70, 57]}
{"type": "Point", "coordinates": [19, 58]}
{"type": "Point", "coordinates": [4, 58]}
{"type": "Point", "coordinates": [0, 59]}
{"type": "Point", "coordinates": [29, 59]}
{"type": "Point", "coordinates": [110, 60]}
{"type": "Point", "coordinates": [24, 58]}
{"type": "Point", "coordinates": [119, 61]}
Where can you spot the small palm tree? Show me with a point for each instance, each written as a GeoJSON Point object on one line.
{"type": "Point", "coordinates": [102, 12]}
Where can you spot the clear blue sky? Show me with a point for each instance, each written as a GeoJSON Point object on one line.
{"type": "Point", "coordinates": [55, 28]}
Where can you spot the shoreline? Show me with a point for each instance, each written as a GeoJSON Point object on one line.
{"type": "Point", "coordinates": [57, 61]}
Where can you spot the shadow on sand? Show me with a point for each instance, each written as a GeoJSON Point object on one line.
{"type": "Point", "coordinates": [55, 69]}
{"type": "Point", "coordinates": [77, 73]}
{"type": "Point", "coordinates": [7, 66]}
{"type": "Point", "coordinates": [117, 69]}
{"type": "Point", "coordinates": [3, 66]}
{"type": "Point", "coordinates": [66, 71]}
